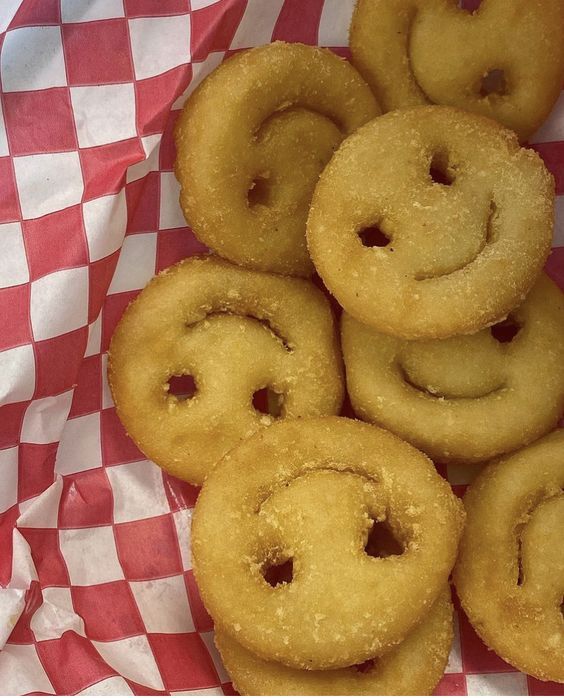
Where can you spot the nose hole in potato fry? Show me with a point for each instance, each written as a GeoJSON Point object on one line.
{"type": "Point", "coordinates": [440, 171]}
{"type": "Point", "coordinates": [183, 387]}
{"type": "Point", "coordinates": [381, 541]}
{"type": "Point", "coordinates": [278, 574]}
{"type": "Point", "coordinates": [506, 330]}
{"type": "Point", "coordinates": [268, 401]}
{"type": "Point", "coordinates": [365, 667]}
{"type": "Point", "coordinates": [259, 192]}
{"type": "Point", "coordinates": [372, 236]}
{"type": "Point", "coordinates": [470, 5]}
{"type": "Point", "coordinates": [493, 83]}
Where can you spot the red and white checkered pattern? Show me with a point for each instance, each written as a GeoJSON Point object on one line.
{"type": "Point", "coordinates": [97, 595]}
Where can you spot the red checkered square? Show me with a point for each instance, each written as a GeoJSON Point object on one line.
{"type": "Point", "coordinates": [202, 619]}
{"type": "Point", "coordinates": [451, 685]}
{"type": "Point", "coordinates": [54, 132]}
{"type": "Point", "coordinates": [55, 241]}
{"type": "Point", "coordinates": [35, 12]}
{"type": "Point", "coordinates": [9, 205]}
{"type": "Point", "coordinates": [180, 494]}
{"type": "Point", "coordinates": [298, 21]}
{"type": "Point", "coordinates": [22, 633]}
{"type": "Point", "coordinates": [58, 362]}
{"type": "Point", "coordinates": [476, 657]}
{"type": "Point", "coordinates": [47, 556]}
{"type": "Point", "coordinates": [143, 197]}
{"type": "Point", "coordinates": [87, 396]}
{"type": "Point", "coordinates": [148, 8]}
{"type": "Point", "coordinates": [100, 275]}
{"type": "Point", "coordinates": [86, 500]}
{"type": "Point", "coordinates": [214, 27]}
{"type": "Point", "coordinates": [104, 166]}
{"type": "Point", "coordinates": [139, 690]}
{"type": "Point", "coordinates": [36, 465]}
{"type": "Point", "coordinates": [114, 307]}
{"type": "Point", "coordinates": [11, 419]}
{"type": "Point", "coordinates": [155, 96]}
{"type": "Point", "coordinates": [176, 244]}
{"type": "Point", "coordinates": [167, 150]}
{"type": "Point", "coordinates": [117, 447]}
{"type": "Point", "coordinates": [553, 156]}
{"type": "Point", "coordinates": [543, 688]}
{"type": "Point", "coordinates": [158, 556]}
{"type": "Point", "coordinates": [109, 611]}
{"type": "Point", "coordinates": [97, 52]}
{"type": "Point", "coordinates": [183, 661]}
{"type": "Point", "coordinates": [82, 664]}
{"type": "Point", "coordinates": [7, 523]}
{"type": "Point", "coordinates": [555, 266]}
{"type": "Point", "coordinates": [14, 316]}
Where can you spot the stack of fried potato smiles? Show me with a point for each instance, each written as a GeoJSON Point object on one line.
{"type": "Point", "coordinates": [322, 545]}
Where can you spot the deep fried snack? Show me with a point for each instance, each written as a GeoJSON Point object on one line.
{"type": "Point", "coordinates": [251, 143]}
{"type": "Point", "coordinates": [235, 332]}
{"type": "Point", "coordinates": [431, 222]}
{"type": "Point", "coordinates": [414, 667]}
{"type": "Point", "coordinates": [466, 398]}
{"type": "Point", "coordinates": [309, 493]}
{"type": "Point", "coordinates": [510, 573]}
{"type": "Point", "coordinates": [504, 61]}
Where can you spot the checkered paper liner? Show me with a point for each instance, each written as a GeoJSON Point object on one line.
{"type": "Point", "coordinates": [97, 594]}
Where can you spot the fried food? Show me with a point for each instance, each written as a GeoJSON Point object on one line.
{"type": "Point", "coordinates": [510, 573]}
{"type": "Point", "coordinates": [251, 143]}
{"type": "Point", "coordinates": [504, 61]}
{"type": "Point", "coordinates": [431, 222]}
{"type": "Point", "coordinates": [468, 398]}
{"type": "Point", "coordinates": [309, 493]}
{"type": "Point", "coordinates": [235, 332]}
{"type": "Point", "coordinates": [414, 667]}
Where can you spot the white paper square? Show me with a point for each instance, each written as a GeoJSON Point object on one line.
{"type": "Point", "coordinates": [454, 664]}
{"type": "Point", "coordinates": [504, 684]}
{"type": "Point", "coordinates": [136, 263]}
{"type": "Point", "coordinates": [133, 659]}
{"type": "Point", "coordinates": [199, 72]}
{"type": "Point", "coordinates": [32, 59]}
{"type": "Point", "coordinates": [199, 4]}
{"type": "Point", "coordinates": [13, 261]}
{"type": "Point", "coordinates": [22, 672]}
{"type": "Point", "coordinates": [553, 128]}
{"type": "Point", "coordinates": [44, 419]}
{"type": "Point", "coordinates": [163, 604]}
{"type": "Point", "coordinates": [105, 221]}
{"type": "Point", "coordinates": [183, 523]}
{"type": "Point", "coordinates": [107, 400]}
{"type": "Point", "coordinates": [3, 137]}
{"type": "Point", "coordinates": [8, 12]}
{"type": "Point", "coordinates": [48, 182]}
{"type": "Point", "coordinates": [42, 511]}
{"type": "Point", "coordinates": [59, 303]}
{"type": "Point", "coordinates": [23, 567]}
{"type": "Point", "coordinates": [558, 240]}
{"type": "Point", "coordinates": [56, 616]}
{"type": "Point", "coordinates": [90, 555]}
{"type": "Point", "coordinates": [80, 447]}
{"type": "Point", "coordinates": [169, 39]}
{"type": "Point", "coordinates": [8, 478]}
{"type": "Point", "coordinates": [200, 692]}
{"type": "Point", "coordinates": [214, 654]}
{"type": "Point", "coordinates": [104, 113]}
{"type": "Point", "coordinates": [114, 686]}
{"type": "Point", "coordinates": [138, 491]}
{"type": "Point", "coordinates": [86, 10]}
{"type": "Point", "coordinates": [94, 343]}
{"type": "Point", "coordinates": [152, 147]}
{"type": "Point", "coordinates": [12, 604]}
{"type": "Point", "coordinates": [257, 24]}
{"type": "Point", "coordinates": [334, 23]}
{"type": "Point", "coordinates": [17, 374]}
{"type": "Point", "coordinates": [170, 215]}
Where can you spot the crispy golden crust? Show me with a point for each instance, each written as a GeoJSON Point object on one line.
{"type": "Point", "coordinates": [251, 142]}
{"type": "Point", "coordinates": [459, 256]}
{"type": "Point", "coordinates": [414, 667]}
{"type": "Point", "coordinates": [467, 398]}
{"type": "Point", "coordinates": [415, 52]}
{"type": "Point", "coordinates": [510, 572]}
{"type": "Point", "coordinates": [235, 331]}
{"type": "Point", "coordinates": [310, 490]}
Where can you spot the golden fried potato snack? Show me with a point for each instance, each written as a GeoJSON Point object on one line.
{"type": "Point", "coordinates": [414, 667]}
{"type": "Point", "coordinates": [310, 494]}
{"type": "Point", "coordinates": [431, 222]}
{"type": "Point", "coordinates": [504, 61]}
{"type": "Point", "coordinates": [510, 573]}
{"type": "Point", "coordinates": [235, 332]}
{"type": "Point", "coordinates": [466, 398]}
{"type": "Point", "coordinates": [251, 143]}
